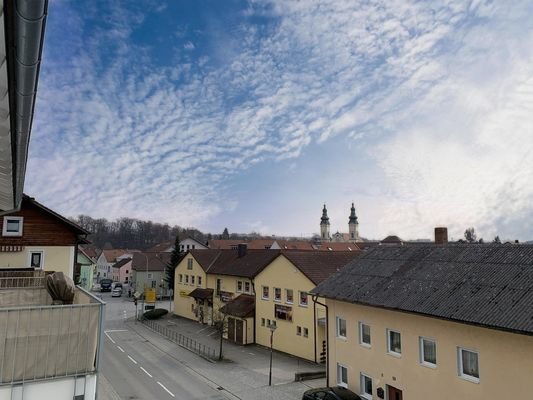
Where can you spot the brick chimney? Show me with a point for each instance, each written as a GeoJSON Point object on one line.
{"type": "Point", "coordinates": [242, 249]}
{"type": "Point", "coordinates": [441, 235]}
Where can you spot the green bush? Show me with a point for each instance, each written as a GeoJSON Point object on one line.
{"type": "Point", "coordinates": [155, 314]}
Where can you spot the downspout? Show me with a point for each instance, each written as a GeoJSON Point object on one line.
{"type": "Point", "coordinates": [314, 324]}
{"type": "Point", "coordinates": [315, 301]}
{"type": "Point", "coordinates": [255, 294]}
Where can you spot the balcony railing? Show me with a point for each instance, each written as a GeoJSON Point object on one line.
{"type": "Point", "coordinates": [43, 341]}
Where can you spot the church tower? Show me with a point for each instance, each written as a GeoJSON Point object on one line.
{"type": "Point", "coordinates": [324, 225]}
{"type": "Point", "coordinates": [353, 225]}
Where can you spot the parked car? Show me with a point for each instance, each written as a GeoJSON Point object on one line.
{"type": "Point", "coordinates": [330, 393]}
{"type": "Point", "coordinates": [117, 292]}
{"type": "Point", "coordinates": [116, 285]}
{"type": "Point", "coordinates": [105, 285]}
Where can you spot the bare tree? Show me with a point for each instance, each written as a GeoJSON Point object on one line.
{"type": "Point", "coordinates": [470, 235]}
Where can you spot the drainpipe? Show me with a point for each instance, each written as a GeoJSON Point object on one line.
{"type": "Point", "coordinates": [255, 294]}
{"type": "Point", "coordinates": [315, 301]}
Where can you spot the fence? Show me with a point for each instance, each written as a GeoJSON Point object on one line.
{"type": "Point", "coordinates": [40, 341]}
{"type": "Point", "coordinates": [22, 279]}
{"type": "Point", "coordinates": [182, 340]}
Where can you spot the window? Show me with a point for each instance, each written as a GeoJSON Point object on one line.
{"type": "Point", "coordinates": [468, 364]}
{"type": "Point", "coordinates": [306, 332]}
{"type": "Point", "coordinates": [186, 279]}
{"type": "Point", "coordinates": [366, 386]}
{"type": "Point", "coordinates": [188, 247]}
{"type": "Point", "coordinates": [341, 328]}
{"type": "Point", "coordinates": [299, 330]}
{"type": "Point", "coordinates": [246, 287]}
{"type": "Point", "coordinates": [262, 322]}
{"type": "Point", "coordinates": [149, 275]}
{"type": "Point", "coordinates": [12, 226]}
{"type": "Point", "coordinates": [180, 278]}
{"type": "Point", "coordinates": [303, 299]}
{"type": "Point", "coordinates": [273, 323]}
{"type": "Point", "coordinates": [189, 262]}
{"type": "Point", "coordinates": [193, 246]}
{"type": "Point", "coordinates": [153, 284]}
{"type": "Point", "coordinates": [342, 375]}
{"type": "Point", "coordinates": [219, 285]}
{"type": "Point", "coordinates": [192, 279]}
{"type": "Point", "coordinates": [289, 296]}
{"type": "Point", "coordinates": [182, 247]}
{"type": "Point", "coordinates": [394, 342]}
{"type": "Point", "coordinates": [36, 259]}
{"type": "Point", "coordinates": [265, 293]}
{"type": "Point", "coordinates": [239, 286]}
{"type": "Point", "coordinates": [277, 294]}
{"type": "Point", "coordinates": [199, 280]}
{"type": "Point", "coordinates": [364, 335]}
{"type": "Point", "coordinates": [268, 322]}
{"type": "Point", "coordinates": [283, 312]}
{"type": "Point", "coordinates": [428, 352]}
{"type": "Point", "coordinates": [127, 271]}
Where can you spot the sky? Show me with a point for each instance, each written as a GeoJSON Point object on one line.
{"type": "Point", "coordinates": [252, 114]}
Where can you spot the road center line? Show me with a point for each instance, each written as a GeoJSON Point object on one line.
{"type": "Point", "coordinates": [146, 372]}
{"type": "Point", "coordinates": [135, 362]}
{"type": "Point", "coordinates": [120, 348]}
{"type": "Point", "coordinates": [168, 391]}
{"type": "Point", "coordinates": [109, 337]}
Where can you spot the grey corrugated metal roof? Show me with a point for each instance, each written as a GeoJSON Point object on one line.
{"type": "Point", "coordinates": [488, 285]}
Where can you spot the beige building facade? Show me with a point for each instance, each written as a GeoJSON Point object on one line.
{"type": "Point", "coordinates": [432, 321]}
{"type": "Point", "coordinates": [188, 276]}
{"type": "Point", "coordinates": [282, 299]}
{"type": "Point", "coordinates": [504, 360]}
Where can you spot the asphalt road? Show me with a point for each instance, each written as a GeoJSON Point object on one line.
{"type": "Point", "coordinates": [138, 370]}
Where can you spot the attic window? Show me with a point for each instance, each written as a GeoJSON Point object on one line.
{"type": "Point", "coordinates": [12, 226]}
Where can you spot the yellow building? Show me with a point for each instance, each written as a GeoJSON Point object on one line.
{"type": "Point", "coordinates": [35, 237]}
{"type": "Point", "coordinates": [433, 322]}
{"type": "Point", "coordinates": [282, 300]}
{"type": "Point", "coordinates": [211, 285]}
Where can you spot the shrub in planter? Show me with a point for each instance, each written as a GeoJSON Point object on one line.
{"type": "Point", "coordinates": [155, 314]}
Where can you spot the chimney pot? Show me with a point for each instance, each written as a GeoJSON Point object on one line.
{"type": "Point", "coordinates": [441, 235]}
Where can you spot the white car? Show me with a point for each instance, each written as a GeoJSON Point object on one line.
{"type": "Point", "coordinates": [116, 292]}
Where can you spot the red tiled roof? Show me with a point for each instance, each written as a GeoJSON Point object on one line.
{"type": "Point", "coordinates": [319, 265]}
{"type": "Point", "coordinates": [150, 261]}
{"type": "Point", "coordinates": [161, 247]}
{"type": "Point", "coordinates": [338, 246]}
{"type": "Point", "coordinates": [228, 262]}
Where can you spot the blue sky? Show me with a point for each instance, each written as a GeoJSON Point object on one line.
{"type": "Point", "coordinates": [251, 114]}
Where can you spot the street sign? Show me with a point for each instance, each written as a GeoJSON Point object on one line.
{"type": "Point", "coordinates": [148, 307]}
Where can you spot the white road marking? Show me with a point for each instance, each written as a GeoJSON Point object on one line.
{"type": "Point", "coordinates": [212, 333]}
{"type": "Point", "coordinates": [135, 362]}
{"type": "Point", "coordinates": [121, 349]}
{"type": "Point", "coordinates": [203, 329]}
{"type": "Point", "coordinates": [109, 337]}
{"type": "Point", "coordinates": [168, 391]}
{"type": "Point", "coordinates": [146, 372]}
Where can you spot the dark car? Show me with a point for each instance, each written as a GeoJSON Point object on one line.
{"type": "Point", "coordinates": [330, 393]}
{"type": "Point", "coordinates": [105, 285]}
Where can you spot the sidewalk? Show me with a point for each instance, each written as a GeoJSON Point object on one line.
{"type": "Point", "coordinates": [245, 370]}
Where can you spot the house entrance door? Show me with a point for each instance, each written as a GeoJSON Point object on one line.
{"type": "Point", "coordinates": [239, 332]}
{"type": "Point", "coordinates": [394, 394]}
{"type": "Point", "coordinates": [231, 329]}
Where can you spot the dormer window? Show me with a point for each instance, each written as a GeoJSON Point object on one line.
{"type": "Point", "coordinates": [12, 226]}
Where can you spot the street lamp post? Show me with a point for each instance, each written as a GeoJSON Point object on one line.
{"type": "Point", "coordinates": [272, 328]}
{"type": "Point", "coordinates": [145, 279]}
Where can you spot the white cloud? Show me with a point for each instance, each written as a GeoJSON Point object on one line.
{"type": "Point", "coordinates": [430, 89]}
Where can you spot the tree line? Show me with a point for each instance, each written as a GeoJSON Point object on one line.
{"type": "Point", "coordinates": [131, 233]}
